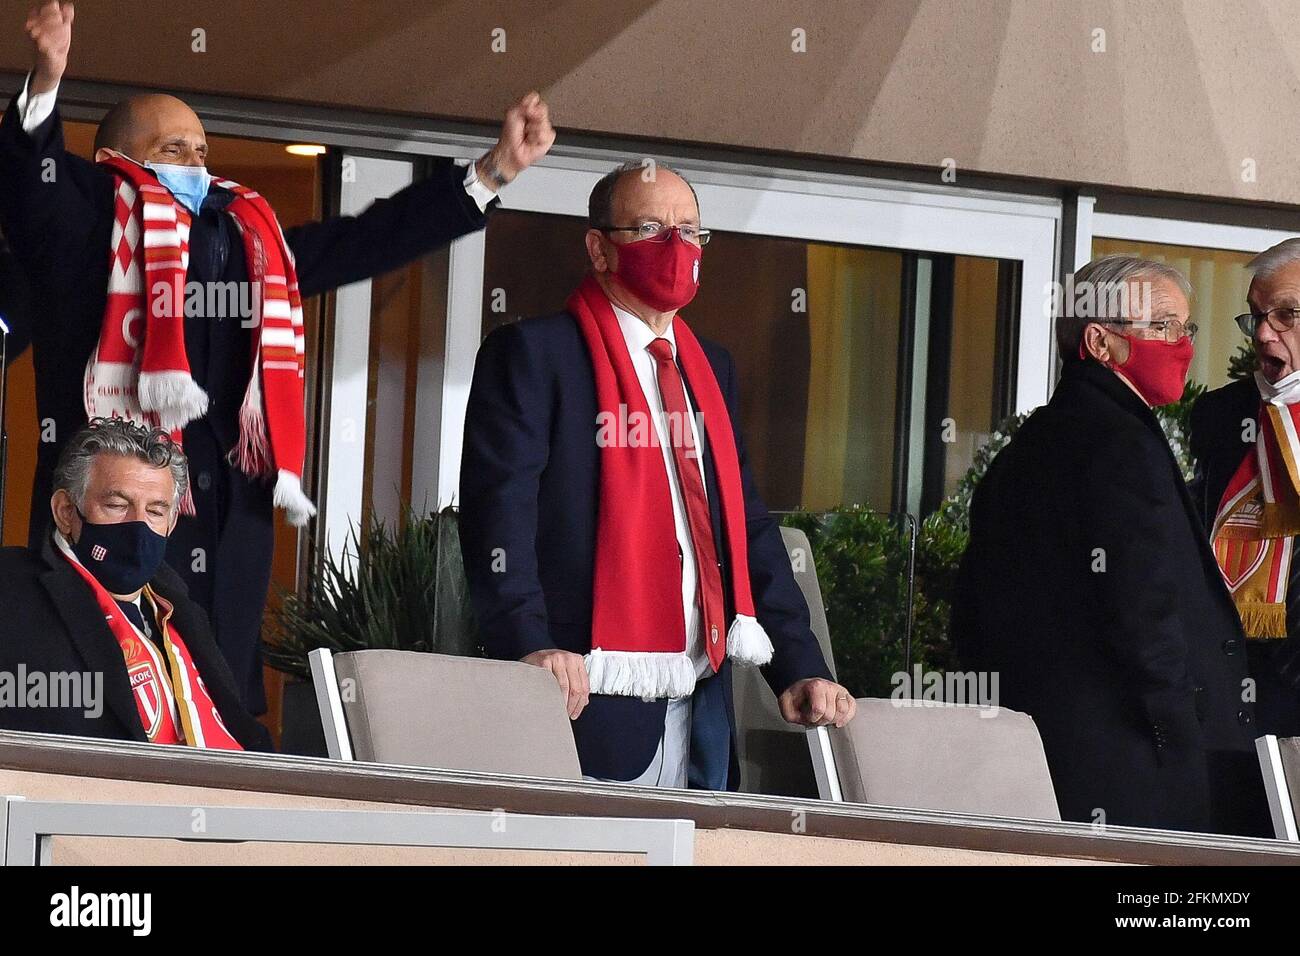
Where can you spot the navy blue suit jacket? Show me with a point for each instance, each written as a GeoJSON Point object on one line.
{"type": "Point", "coordinates": [529, 486]}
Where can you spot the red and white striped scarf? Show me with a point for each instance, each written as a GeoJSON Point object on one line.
{"type": "Point", "coordinates": [173, 702]}
{"type": "Point", "coordinates": [1257, 520]}
{"type": "Point", "coordinates": [139, 369]}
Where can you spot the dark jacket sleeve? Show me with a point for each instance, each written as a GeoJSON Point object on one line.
{"type": "Point", "coordinates": [778, 602]}
{"type": "Point", "coordinates": [52, 202]}
{"type": "Point", "coordinates": [1132, 508]}
{"type": "Point", "coordinates": [16, 309]}
{"type": "Point", "coordinates": [507, 446]}
{"type": "Point", "coordinates": [389, 234]}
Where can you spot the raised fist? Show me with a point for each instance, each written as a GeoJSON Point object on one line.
{"type": "Point", "coordinates": [526, 135]}
{"type": "Point", "coordinates": [50, 27]}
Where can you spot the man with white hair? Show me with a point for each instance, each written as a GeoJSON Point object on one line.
{"type": "Point", "coordinates": [1246, 441]}
{"type": "Point", "coordinates": [1090, 589]}
{"type": "Point", "coordinates": [96, 610]}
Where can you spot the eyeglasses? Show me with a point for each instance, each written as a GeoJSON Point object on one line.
{"type": "Point", "coordinates": [657, 232]}
{"type": "Point", "coordinates": [1279, 320]}
{"type": "Point", "coordinates": [1173, 330]}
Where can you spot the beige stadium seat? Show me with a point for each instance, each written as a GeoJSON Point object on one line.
{"type": "Point", "coordinates": [1279, 760]}
{"type": "Point", "coordinates": [934, 756]}
{"type": "Point", "coordinates": [773, 754]}
{"type": "Point", "coordinates": [446, 712]}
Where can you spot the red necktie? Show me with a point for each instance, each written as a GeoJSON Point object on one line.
{"type": "Point", "coordinates": [686, 458]}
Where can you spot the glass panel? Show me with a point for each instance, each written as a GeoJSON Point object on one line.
{"type": "Point", "coordinates": [972, 364]}
{"type": "Point", "coordinates": [850, 374]}
{"type": "Point", "coordinates": [408, 316]}
{"type": "Point", "coordinates": [517, 285]}
{"type": "Point", "coordinates": [1219, 285]}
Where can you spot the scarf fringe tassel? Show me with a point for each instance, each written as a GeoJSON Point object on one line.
{"type": "Point", "coordinates": [747, 642]}
{"type": "Point", "coordinates": [650, 675]}
{"type": "Point", "coordinates": [252, 453]}
{"type": "Point", "coordinates": [654, 675]}
{"type": "Point", "coordinates": [289, 495]}
{"type": "Point", "coordinates": [174, 396]}
{"type": "Point", "coordinates": [1263, 620]}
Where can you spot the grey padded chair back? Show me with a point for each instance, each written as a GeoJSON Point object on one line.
{"type": "Point", "coordinates": [773, 755]}
{"type": "Point", "coordinates": [947, 757]}
{"type": "Point", "coordinates": [455, 713]}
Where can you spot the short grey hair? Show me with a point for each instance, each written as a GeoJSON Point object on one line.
{"type": "Point", "coordinates": [1104, 284]}
{"type": "Point", "coordinates": [600, 204]}
{"type": "Point", "coordinates": [118, 436]}
{"type": "Point", "coordinates": [1274, 258]}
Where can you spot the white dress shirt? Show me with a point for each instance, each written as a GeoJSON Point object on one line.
{"type": "Point", "coordinates": [638, 337]}
{"type": "Point", "coordinates": [35, 108]}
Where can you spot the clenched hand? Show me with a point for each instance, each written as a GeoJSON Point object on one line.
{"type": "Point", "coordinates": [526, 135]}
{"type": "Point", "coordinates": [50, 28]}
{"type": "Point", "coordinates": [571, 674]}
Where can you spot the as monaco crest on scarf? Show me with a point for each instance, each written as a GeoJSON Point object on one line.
{"type": "Point", "coordinates": [139, 369]}
{"type": "Point", "coordinates": [142, 669]}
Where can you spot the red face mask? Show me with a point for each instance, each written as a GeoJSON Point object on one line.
{"type": "Point", "coordinates": [1156, 368]}
{"type": "Point", "coordinates": [663, 275]}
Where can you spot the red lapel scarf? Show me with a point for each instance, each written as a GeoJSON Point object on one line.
{"type": "Point", "coordinates": [139, 369]}
{"type": "Point", "coordinates": [161, 699]}
{"type": "Point", "coordinates": [638, 633]}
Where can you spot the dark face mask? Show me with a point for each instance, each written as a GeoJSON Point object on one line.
{"type": "Point", "coordinates": [123, 557]}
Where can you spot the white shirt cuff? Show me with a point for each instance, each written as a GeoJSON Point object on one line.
{"type": "Point", "coordinates": [35, 108]}
{"type": "Point", "coordinates": [477, 189]}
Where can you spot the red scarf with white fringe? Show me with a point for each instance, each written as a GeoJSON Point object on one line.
{"type": "Point", "coordinates": [173, 702]}
{"type": "Point", "coordinates": [139, 369]}
{"type": "Point", "coordinates": [638, 632]}
{"type": "Point", "coordinates": [1257, 521]}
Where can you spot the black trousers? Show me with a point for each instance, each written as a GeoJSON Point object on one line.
{"type": "Point", "coordinates": [224, 554]}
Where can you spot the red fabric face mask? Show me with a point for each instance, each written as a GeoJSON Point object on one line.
{"type": "Point", "coordinates": [1156, 368]}
{"type": "Point", "coordinates": [664, 275]}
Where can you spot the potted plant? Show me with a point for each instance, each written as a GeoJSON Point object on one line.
{"type": "Point", "coordinates": [397, 588]}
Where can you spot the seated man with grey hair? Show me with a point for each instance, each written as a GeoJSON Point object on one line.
{"type": "Point", "coordinates": [1246, 442]}
{"type": "Point", "coordinates": [1091, 590]}
{"type": "Point", "coordinates": [98, 637]}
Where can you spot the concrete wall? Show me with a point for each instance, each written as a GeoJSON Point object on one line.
{"type": "Point", "coordinates": [1185, 92]}
{"type": "Point", "coordinates": [729, 847]}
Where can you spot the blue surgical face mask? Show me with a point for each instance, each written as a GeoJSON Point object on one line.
{"type": "Point", "coordinates": [188, 184]}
